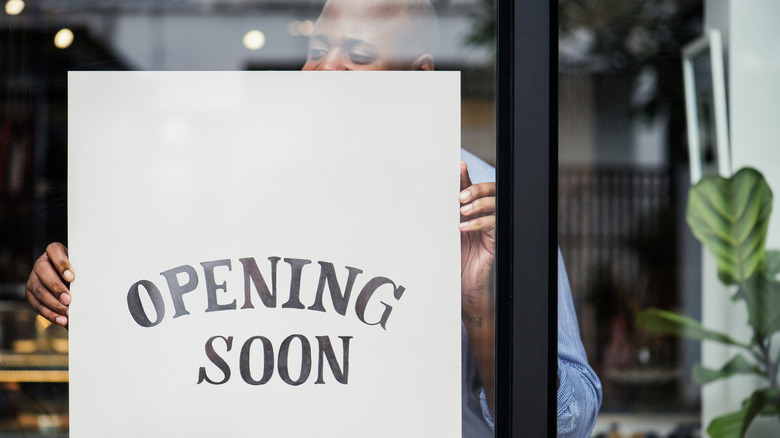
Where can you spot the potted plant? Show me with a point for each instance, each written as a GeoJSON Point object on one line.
{"type": "Point", "coordinates": [730, 217]}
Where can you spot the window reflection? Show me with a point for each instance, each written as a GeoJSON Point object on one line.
{"type": "Point", "coordinates": [623, 184]}
{"type": "Point", "coordinates": [41, 41]}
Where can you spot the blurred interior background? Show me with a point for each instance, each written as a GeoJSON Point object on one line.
{"type": "Point", "coordinates": [41, 40]}
{"type": "Point", "coordinates": [624, 176]}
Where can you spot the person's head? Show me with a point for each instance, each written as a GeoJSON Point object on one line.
{"type": "Point", "coordinates": [374, 35]}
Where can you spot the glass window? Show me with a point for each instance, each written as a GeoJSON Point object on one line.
{"type": "Point", "coordinates": [42, 40]}
{"type": "Point", "coordinates": [623, 181]}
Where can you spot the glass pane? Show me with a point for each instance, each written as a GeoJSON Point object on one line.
{"type": "Point", "coordinates": [42, 40]}
{"type": "Point", "coordinates": [625, 166]}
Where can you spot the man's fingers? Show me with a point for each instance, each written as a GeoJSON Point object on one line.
{"type": "Point", "coordinates": [45, 282]}
{"type": "Point", "coordinates": [484, 223]}
{"type": "Point", "coordinates": [481, 206]}
{"type": "Point", "coordinates": [44, 303]}
{"type": "Point", "coordinates": [54, 296]}
{"type": "Point", "coordinates": [58, 257]}
{"type": "Point", "coordinates": [476, 191]}
{"type": "Point", "coordinates": [53, 317]}
{"type": "Point", "coordinates": [46, 290]}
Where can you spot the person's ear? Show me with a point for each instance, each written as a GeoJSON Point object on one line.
{"type": "Point", "coordinates": [424, 62]}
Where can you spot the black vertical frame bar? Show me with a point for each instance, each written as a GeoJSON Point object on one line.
{"type": "Point", "coordinates": [527, 256]}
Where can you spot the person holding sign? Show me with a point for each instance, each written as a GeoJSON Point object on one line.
{"type": "Point", "coordinates": [402, 35]}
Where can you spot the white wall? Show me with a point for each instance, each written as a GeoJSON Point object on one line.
{"type": "Point", "coordinates": [754, 69]}
{"type": "Point", "coordinates": [752, 41]}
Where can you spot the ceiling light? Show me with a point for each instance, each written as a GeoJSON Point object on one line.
{"type": "Point", "coordinates": [14, 7]}
{"type": "Point", "coordinates": [63, 39]}
{"type": "Point", "coordinates": [254, 40]}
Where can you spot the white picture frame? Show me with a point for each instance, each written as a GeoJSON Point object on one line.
{"type": "Point", "coordinates": [706, 106]}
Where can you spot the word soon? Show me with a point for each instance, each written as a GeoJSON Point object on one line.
{"type": "Point", "coordinates": [268, 296]}
{"type": "Point", "coordinates": [246, 365]}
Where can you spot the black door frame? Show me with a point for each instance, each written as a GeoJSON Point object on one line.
{"type": "Point", "coordinates": [527, 255]}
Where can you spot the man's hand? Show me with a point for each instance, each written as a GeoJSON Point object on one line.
{"type": "Point", "coordinates": [477, 242]}
{"type": "Point", "coordinates": [478, 255]}
{"type": "Point", "coordinates": [47, 288]}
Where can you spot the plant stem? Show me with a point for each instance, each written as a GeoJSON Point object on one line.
{"type": "Point", "coordinates": [771, 365]}
{"type": "Point", "coordinates": [766, 345]}
{"type": "Point", "coordinates": [763, 355]}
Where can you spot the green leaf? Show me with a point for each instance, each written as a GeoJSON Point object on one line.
{"type": "Point", "coordinates": [727, 426]}
{"type": "Point", "coordinates": [735, 424]}
{"type": "Point", "coordinates": [762, 294]}
{"type": "Point", "coordinates": [772, 263]}
{"type": "Point", "coordinates": [737, 365]}
{"type": "Point", "coordinates": [772, 407]}
{"type": "Point", "coordinates": [671, 323]}
{"type": "Point", "coordinates": [756, 404]}
{"type": "Point", "coordinates": [730, 217]}
{"type": "Point", "coordinates": [777, 359]}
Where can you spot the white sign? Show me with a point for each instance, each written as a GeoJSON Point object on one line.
{"type": "Point", "coordinates": [264, 254]}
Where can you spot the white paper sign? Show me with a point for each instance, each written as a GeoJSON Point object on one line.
{"type": "Point", "coordinates": [233, 233]}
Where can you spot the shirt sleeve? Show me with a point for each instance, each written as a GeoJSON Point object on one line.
{"type": "Point", "coordinates": [579, 389]}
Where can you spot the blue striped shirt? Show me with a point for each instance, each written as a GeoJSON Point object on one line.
{"type": "Point", "coordinates": [579, 391]}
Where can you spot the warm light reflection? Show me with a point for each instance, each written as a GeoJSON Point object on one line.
{"type": "Point", "coordinates": [63, 39]}
{"type": "Point", "coordinates": [14, 7]}
{"type": "Point", "coordinates": [41, 323]}
{"type": "Point", "coordinates": [292, 28]}
{"type": "Point", "coordinates": [300, 28]}
{"type": "Point", "coordinates": [254, 40]}
{"type": "Point", "coordinates": [306, 27]}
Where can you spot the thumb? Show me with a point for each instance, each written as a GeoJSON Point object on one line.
{"type": "Point", "coordinates": [465, 181]}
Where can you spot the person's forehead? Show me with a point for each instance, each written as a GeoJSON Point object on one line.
{"type": "Point", "coordinates": [362, 18]}
{"type": "Point", "coordinates": [366, 9]}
